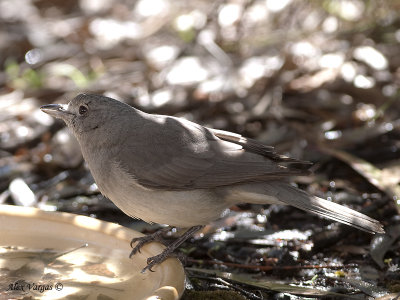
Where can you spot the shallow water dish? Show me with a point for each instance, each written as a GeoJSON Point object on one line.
{"type": "Point", "coordinates": [52, 255]}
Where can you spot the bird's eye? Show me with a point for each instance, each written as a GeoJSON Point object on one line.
{"type": "Point", "coordinates": [82, 110]}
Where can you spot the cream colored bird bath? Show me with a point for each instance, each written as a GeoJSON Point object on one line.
{"type": "Point", "coordinates": [52, 255]}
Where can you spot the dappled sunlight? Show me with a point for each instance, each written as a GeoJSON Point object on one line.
{"type": "Point", "coordinates": [285, 82]}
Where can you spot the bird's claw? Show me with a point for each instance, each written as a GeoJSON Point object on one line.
{"type": "Point", "coordinates": [134, 240]}
{"type": "Point", "coordinates": [139, 245]}
{"type": "Point", "coordinates": [158, 259]}
{"type": "Point", "coordinates": [143, 240]}
{"type": "Point", "coordinates": [168, 251]}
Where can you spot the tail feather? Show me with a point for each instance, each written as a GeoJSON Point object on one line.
{"type": "Point", "coordinates": [281, 192]}
{"type": "Point", "coordinates": [300, 199]}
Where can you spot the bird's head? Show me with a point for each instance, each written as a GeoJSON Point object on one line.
{"type": "Point", "coordinates": [88, 113]}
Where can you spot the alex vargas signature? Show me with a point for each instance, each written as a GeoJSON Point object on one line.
{"type": "Point", "coordinates": [24, 286]}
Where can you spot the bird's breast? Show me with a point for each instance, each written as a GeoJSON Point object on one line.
{"type": "Point", "coordinates": [175, 208]}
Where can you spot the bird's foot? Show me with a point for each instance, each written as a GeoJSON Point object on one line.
{"type": "Point", "coordinates": [169, 250]}
{"type": "Point", "coordinates": [158, 259]}
{"type": "Point", "coordinates": [143, 240]}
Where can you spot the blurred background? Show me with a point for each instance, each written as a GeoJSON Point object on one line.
{"type": "Point", "coordinates": [318, 80]}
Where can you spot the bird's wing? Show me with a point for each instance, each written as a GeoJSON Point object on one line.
{"type": "Point", "coordinates": [175, 154]}
{"type": "Point", "coordinates": [261, 149]}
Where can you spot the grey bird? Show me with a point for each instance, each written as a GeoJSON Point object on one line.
{"type": "Point", "coordinates": [168, 170]}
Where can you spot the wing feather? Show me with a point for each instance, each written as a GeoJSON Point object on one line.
{"type": "Point", "coordinates": [182, 155]}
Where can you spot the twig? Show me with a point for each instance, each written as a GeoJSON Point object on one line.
{"type": "Point", "coordinates": [270, 268]}
{"type": "Point", "coordinates": [249, 295]}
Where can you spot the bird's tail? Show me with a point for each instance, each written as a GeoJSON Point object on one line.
{"type": "Point", "coordinates": [339, 213]}
{"type": "Point", "coordinates": [284, 193]}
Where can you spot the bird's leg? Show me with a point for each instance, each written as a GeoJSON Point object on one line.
{"type": "Point", "coordinates": [143, 240]}
{"type": "Point", "coordinates": [168, 251]}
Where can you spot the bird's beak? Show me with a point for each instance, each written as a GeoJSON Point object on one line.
{"type": "Point", "coordinates": [56, 110]}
